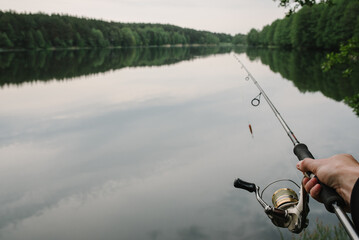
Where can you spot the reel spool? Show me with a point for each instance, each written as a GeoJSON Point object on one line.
{"type": "Point", "coordinates": [284, 198]}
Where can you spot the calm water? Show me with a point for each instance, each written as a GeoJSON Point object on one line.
{"type": "Point", "coordinates": [146, 143]}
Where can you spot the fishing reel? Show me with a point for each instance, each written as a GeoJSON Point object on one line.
{"type": "Point", "coordinates": [288, 210]}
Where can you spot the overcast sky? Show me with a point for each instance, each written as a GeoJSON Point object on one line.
{"type": "Point", "coordinates": [228, 16]}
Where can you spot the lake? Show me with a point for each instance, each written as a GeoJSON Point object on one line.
{"type": "Point", "coordinates": [146, 143]}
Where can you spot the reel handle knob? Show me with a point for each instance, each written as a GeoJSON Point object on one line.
{"type": "Point", "coordinates": [239, 183]}
{"type": "Point", "coordinates": [328, 195]}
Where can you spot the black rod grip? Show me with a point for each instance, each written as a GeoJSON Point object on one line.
{"type": "Point", "coordinates": [239, 183]}
{"type": "Point", "coordinates": [301, 151]}
{"type": "Point", "coordinates": [328, 195]}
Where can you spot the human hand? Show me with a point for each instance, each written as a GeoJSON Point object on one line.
{"type": "Point", "coordinates": [339, 172]}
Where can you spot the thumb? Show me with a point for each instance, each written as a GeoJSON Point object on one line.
{"type": "Point", "coordinates": [307, 165]}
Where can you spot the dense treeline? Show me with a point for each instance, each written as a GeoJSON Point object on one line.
{"type": "Point", "coordinates": [321, 26]}
{"type": "Point", "coordinates": [34, 31]}
{"type": "Point", "coordinates": [28, 66]}
{"type": "Point", "coordinates": [239, 39]}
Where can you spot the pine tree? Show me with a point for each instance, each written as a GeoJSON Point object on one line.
{"type": "Point", "coordinates": [29, 40]}
{"type": "Point", "coordinates": [5, 41]}
{"type": "Point", "coordinates": [40, 42]}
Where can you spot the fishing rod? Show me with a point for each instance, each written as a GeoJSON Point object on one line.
{"type": "Point", "coordinates": [289, 211]}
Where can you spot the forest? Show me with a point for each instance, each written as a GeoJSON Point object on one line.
{"type": "Point", "coordinates": [321, 26]}
{"type": "Point", "coordinates": [42, 31]}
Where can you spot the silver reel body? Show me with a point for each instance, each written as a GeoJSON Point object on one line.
{"type": "Point", "coordinates": [290, 213]}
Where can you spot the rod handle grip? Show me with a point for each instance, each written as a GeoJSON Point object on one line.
{"type": "Point", "coordinates": [239, 183]}
{"type": "Point", "coordinates": [328, 195]}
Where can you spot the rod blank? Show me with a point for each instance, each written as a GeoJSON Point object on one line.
{"type": "Point", "coordinates": [291, 135]}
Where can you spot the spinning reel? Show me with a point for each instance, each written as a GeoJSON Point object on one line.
{"type": "Point", "coordinates": [288, 210]}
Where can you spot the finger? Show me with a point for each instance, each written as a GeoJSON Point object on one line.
{"type": "Point", "coordinates": [307, 165]}
{"type": "Point", "coordinates": [314, 192]}
{"type": "Point", "coordinates": [310, 184]}
{"type": "Point", "coordinates": [305, 180]}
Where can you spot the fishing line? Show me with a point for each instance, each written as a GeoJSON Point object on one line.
{"type": "Point", "coordinates": [257, 100]}
{"type": "Point", "coordinates": [247, 110]}
{"type": "Point", "coordinates": [280, 180]}
{"type": "Point", "coordinates": [274, 109]}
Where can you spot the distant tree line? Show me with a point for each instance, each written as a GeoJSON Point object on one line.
{"type": "Point", "coordinates": [239, 39]}
{"type": "Point", "coordinates": [42, 31]}
{"type": "Point", "coordinates": [321, 26]}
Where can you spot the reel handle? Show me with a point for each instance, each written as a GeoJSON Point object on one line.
{"type": "Point", "coordinates": [239, 183]}
{"type": "Point", "coordinates": [328, 195]}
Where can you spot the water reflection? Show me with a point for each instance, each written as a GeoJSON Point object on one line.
{"type": "Point", "coordinates": [28, 66]}
{"type": "Point", "coordinates": [152, 152]}
{"type": "Point", "coordinates": [303, 68]}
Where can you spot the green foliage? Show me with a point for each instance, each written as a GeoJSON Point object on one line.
{"type": "Point", "coordinates": [98, 39]}
{"type": "Point", "coordinates": [263, 36]}
{"type": "Point", "coordinates": [347, 56]}
{"type": "Point", "coordinates": [314, 26]}
{"type": "Point", "coordinates": [5, 42]}
{"type": "Point", "coordinates": [353, 102]}
{"type": "Point", "coordinates": [324, 232]}
{"type": "Point", "coordinates": [349, 17]}
{"type": "Point", "coordinates": [270, 33]}
{"type": "Point", "coordinates": [29, 40]}
{"type": "Point", "coordinates": [39, 39]}
{"type": "Point", "coordinates": [283, 33]}
{"type": "Point", "coordinates": [78, 41]}
{"type": "Point", "coordinates": [239, 39]}
{"type": "Point", "coordinates": [294, 5]}
{"type": "Point", "coordinates": [302, 33]}
{"type": "Point", "coordinates": [34, 31]}
{"type": "Point", "coordinates": [253, 37]}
